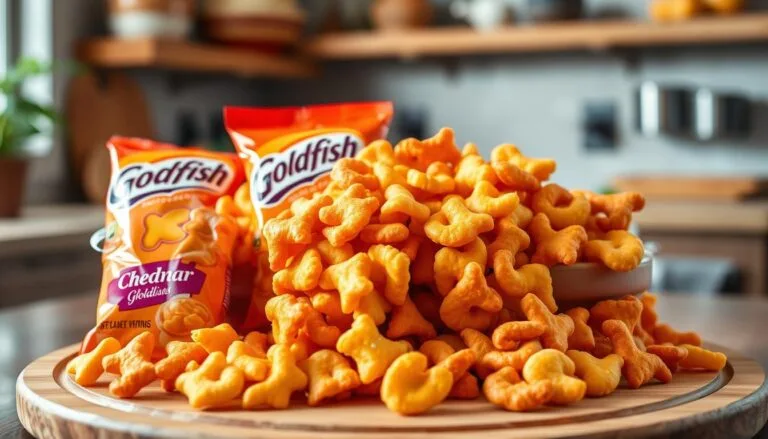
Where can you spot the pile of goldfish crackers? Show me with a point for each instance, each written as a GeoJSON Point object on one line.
{"type": "Point", "coordinates": [422, 273]}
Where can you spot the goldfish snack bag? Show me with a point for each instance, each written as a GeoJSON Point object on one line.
{"type": "Point", "coordinates": [289, 152]}
{"type": "Point", "coordinates": [167, 254]}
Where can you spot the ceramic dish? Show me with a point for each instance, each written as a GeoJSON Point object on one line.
{"type": "Point", "coordinates": [585, 283]}
{"type": "Point", "coordinates": [263, 24]}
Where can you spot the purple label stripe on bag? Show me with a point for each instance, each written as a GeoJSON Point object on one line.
{"type": "Point", "coordinates": [155, 283]}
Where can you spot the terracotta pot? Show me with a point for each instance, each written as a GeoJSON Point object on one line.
{"type": "Point", "coordinates": [13, 175]}
{"type": "Point", "coordinates": [401, 14]}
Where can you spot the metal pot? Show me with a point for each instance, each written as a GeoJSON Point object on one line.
{"type": "Point", "coordinates": [721, 116]}
{"type": "Point", "coordinates": [663, 110]}
{"type": "Point", "coordinates": [700, 114]}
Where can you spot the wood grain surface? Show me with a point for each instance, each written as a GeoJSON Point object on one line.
{"type": "Point", "coordinates": [732, 403]}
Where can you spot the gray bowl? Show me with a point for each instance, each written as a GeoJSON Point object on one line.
{"type": "Point", "coordinates": [586, 283]}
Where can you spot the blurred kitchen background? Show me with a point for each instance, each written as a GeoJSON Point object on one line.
{"type": "Point", "coordinates": [668, 97]}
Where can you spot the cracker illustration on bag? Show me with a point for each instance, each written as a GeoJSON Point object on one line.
{"type": "Point", "coordinates": [167, 260]}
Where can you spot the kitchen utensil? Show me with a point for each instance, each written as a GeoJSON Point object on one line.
{"type": "Point", "coordinates": [483, 15]}
{"type": "Point", "coordinates": [97, 110]}
{"type": "Point", "coordinates": [396, 15]}
{"type": "Point", "coordinates": [693, 188]}
{"type": "Point", "coordinates": [721, 115]}
{"type": "Point", "coordinates": [552, 10]}
{"type": "Point", "coordinates": [52, 405]}
{"type": "Point", "coordinates": [151, 18]}
{"type": "Point", "coordinates": [663, 110]}
{"type": "Point", "coordinates": [270, 25]}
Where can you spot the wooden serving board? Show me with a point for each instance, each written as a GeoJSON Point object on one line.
{"type": "Point", "coordinates": [732, 403]}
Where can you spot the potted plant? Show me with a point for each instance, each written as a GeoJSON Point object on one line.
{"type": "Point", "coordinates": [20, 119]}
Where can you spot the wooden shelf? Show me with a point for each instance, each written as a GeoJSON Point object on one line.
{"type": "Point", "coordinates": [540, 38]}
{"type": "Point", "coordinates": [178, 55]}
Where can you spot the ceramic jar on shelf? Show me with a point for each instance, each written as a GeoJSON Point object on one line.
{"type": "Point", "coordinates": [172, 19]}
{"type": "Point", "coordinates": [264, 24]}
{"type": "Point", "coordinates": [394, 15]}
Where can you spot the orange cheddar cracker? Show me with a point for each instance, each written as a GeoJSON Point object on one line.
{"type": "Point", "coordinates": [167, 261]}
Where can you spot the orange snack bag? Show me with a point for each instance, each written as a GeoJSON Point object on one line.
{"type": "Point", "coordinates": [167, 254]}
{"type": "Point", "coordinates": [289, 152]}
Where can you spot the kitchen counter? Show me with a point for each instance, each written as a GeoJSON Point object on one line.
{"type": "Point", "coordinates": [733, 231]}
{"type": "Point", "coordinates": [34, 330]}
{"type": "Point", "coordinates": [48, 227]}
{"type": "Point", "coordinates": [748, 217]}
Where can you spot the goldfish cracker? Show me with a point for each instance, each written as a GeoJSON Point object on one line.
{"type": "Point", "coordinates": [348, 215]}
{"type": "Point", "coordinates": [639, 367]}
{"type": "Point", "coordinates": [555, 247]}
{"type": "Point", "coordinates": [375, 306]}
{"type": "Point", "coordinates": [132, 365]}
{"type": "Point", "coordinates": [472, 303]}
{"type": "Point", "coordinates": [562, 207]}
{"type": "Point", "coordinates": [170, 243]}
{"type": "Point", "coordinates": [671, 355]}
{"type": "Point", "coordinates": [349, 171]}
{"type": "Point", "coordinates": [619, 251]}
{"type": "Point", "coordinates": [508, 335]}
{"type": "Point", "coordinates": [601, 375]}
{"type": "Point", "coordinates": [179, 355]}
{"type": "Point", "coordinates": [450, 263]}
{"type": "Point", "coordinates": [330, 375]}
{"type": "Point", "coordinates": [515, 283]}
{"type": "Point", "coordinates": [516, 359]}
{"type": "Point", "coordinates": [558, 328]}
{"type": "Point", "coordinates": [285, 377]}
{"type": "Point", "coordinates": [470, 171]}
{"type": "Point", "coordinates": [351, 279]}
{"type": "Point", "coordinates": [419, 154]}
{"type": "Point", "coordinates": [384, 233]}
{"type": "Point", "coordinates": [407, 321]}
{"type": "Point", "coordinates": [87, 368]}
{"type": "Point", "coordinates": [216, 339]}
{"type": "Point", "coordinates": [700, 358]}
{"type": "Point", "coordinates": [211, 385]}
{"type": "Point", "coordinates": [390, 268]}
{"type": "Point", "coordinates": [372, 352]}
{"type": "Point", "coordinates": [244, 357]}
{"type": "Point", "coordinates": [303, 273]}
{"type": "Point", "coordinates": [410, 387]}
{"type": "Point", "coordinates": [664, 333]}
{"type": "Point", "coordinates": [627, 309]}
{"type": "Point", "coordinates": [289, 152]}
{"type": "Point", "coordinates": [379, 151]}
{"type": "Point", "coordinates": [455, 225]}
{"type": "Point", "coordinates": [505, 388]}
{"type": "Point", "coordinates": [556, 367]}
{"type": "Point", "coordinates": [481, 345]}
{"type": "Point", "coordinates": [582, 338]}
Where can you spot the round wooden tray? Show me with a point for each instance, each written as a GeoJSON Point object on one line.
{"type": "Point", "coordinates": [732, 403]}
